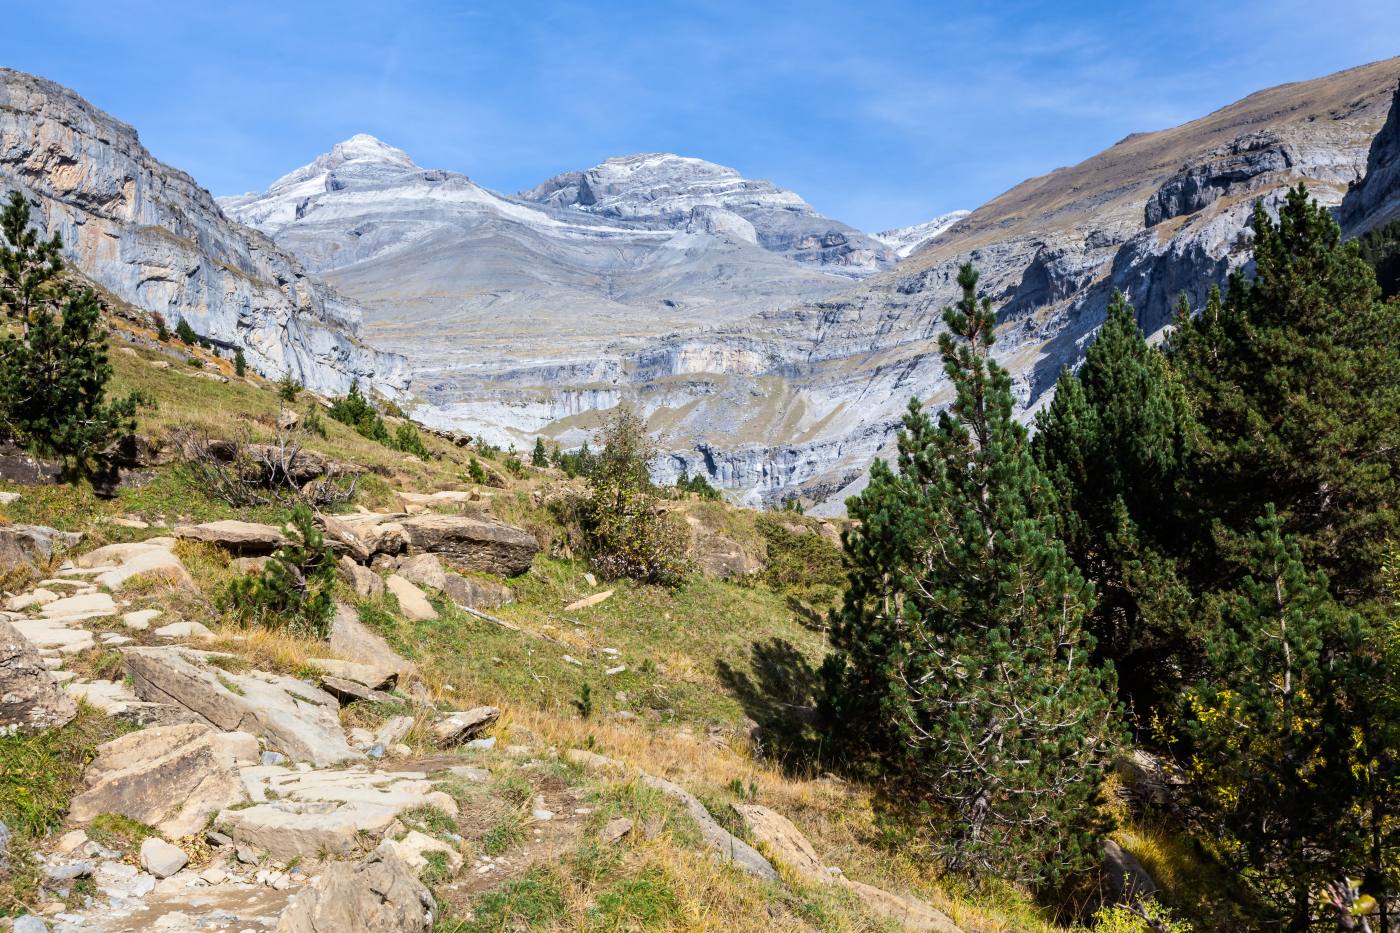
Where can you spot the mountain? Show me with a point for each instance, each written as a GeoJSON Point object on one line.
{"type": "Point", "coordinates": [1154, 215]}
{"type": "Point", "coordinates": [151, 237]}
{"type": "Point", "coordinates": [664, 191]}
{"type": "Point", "coordinates": [906, 241]}
{"type": "Point", "coordinates": [472, 285]}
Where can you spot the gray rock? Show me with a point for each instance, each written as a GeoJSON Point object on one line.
{"type": "Point", "coordinates": [27, 546]}
{"type": "Point", "coordinates": [5, 836]}
{"type": "Point", "coordinates": [365, 582]}
{"type": "Point", "coordinates": [298, 719]}
{"type": "Point", "coordinates": [471, 543]}
{"type": "Point", "coordinates": [350, 638]}
{"type": "Point", "coordinates": [1125, 880]}
{"type": "Point", "coordinates": [69, 871]}
{"type": "Point", "coordinates": [152, 237]}
{"type": "Point", "coordinates": [236, 536]}
{"type": "Point", "coordinates": [271, 758]}
{"type": "Point", "coordinates": [30, 924]}
{"type": "Point", "coordinates": [379, 894]}
{"type": "Point", "coordinates": [170, 777]}
{"type": "Point", "coordinates": [30, 700]}
{"type": "Point", "coordinates": [456, 728]}
{"type": "Point", "coordinates": [160, 858]}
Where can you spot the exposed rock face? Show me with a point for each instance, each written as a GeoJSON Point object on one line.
{"type": "Point", "coordinates": [377, 895]}
{"type": "Point", "coordinates": [799, 399]}
{"type": "Point", "coordinates": [661, 189]}
{"type": "Point", "coordinates": [30, 700]}
{"type": "Point", "coordinates": [296, 718]}
{"type": "Point", "coordinates": [170, 777]}
{"type": "Point", "coordinates": [29, 545]}
{"type": "Point", "coordinates": [149, 235]}
{"type": "Point", "coordinates": [1375, 200]}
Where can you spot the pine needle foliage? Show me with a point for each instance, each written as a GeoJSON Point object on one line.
{"type": "Point", "coordinates": [963, 671]}
{"type": "Point", "coordinates": [293, 591]}
{"type": "Point", "coordinates": [53, 359]}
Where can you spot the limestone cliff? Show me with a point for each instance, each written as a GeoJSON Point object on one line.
{"type": "Point", "coordinates": [149, 235]}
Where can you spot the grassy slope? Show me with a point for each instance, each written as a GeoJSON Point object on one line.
{"type": "Point", "coordinates": [691, 680]}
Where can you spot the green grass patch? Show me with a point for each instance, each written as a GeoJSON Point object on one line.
{"type": "Point", "coordinates": [118, 832]}
{"type": "Point", "coordinates": [534, 902]}
{"type": "Point", "coordinates": [505, 833]}
{"type": "Point", "coordinates": [645, 901]}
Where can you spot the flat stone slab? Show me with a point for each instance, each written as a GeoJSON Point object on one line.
{"type": "Point", "coordinates": [54, 635]}
{"type": "Point", "coordinates": [86, 605]}
{"type": "Point", "coordinates": [308, 813]}
{"type": "Point", "coordinates": [412, 600]}
{"type": "Point", "coordinates": [296, 718]}
{"type": "Point", "coordinates": [231, 534]}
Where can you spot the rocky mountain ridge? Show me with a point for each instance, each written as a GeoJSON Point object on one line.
{"type": "Point", "coordinates": [151, 237]}
{"type": "Point", "coordinates": [797, 400]}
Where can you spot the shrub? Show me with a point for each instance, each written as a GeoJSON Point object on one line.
{"type": "Point", "coordinates": [799, 560]}
{"type": "Point", "coordinates": [186, 333]}
{"type": "Point", "coordinates": [624, 533]}
{"type": "Point", "coordinates": [294, 589]}
{"type": "Point", "coordinates": [697, 484]}
{"type": "Point", "coordinates": [476, 472]}
{"type": "Point", "coordinates": [312, 422]}
{"type": "Point", "coordinates": [288, 388]}
{"type": "Point", "coordinates": [408, 440]}
{"type": "Point", "coordinates": [356, 411]}
{"type": "Point", "coordinates": [513, 464]}
{"type": "Point", "coordinates": [162, 331]}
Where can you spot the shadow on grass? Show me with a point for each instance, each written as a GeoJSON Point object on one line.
{"type": "Point", "coordinates": [780, 696]}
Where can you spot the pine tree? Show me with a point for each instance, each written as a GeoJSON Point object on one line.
{"type": "Point", "coordinates": [540, 456]}
{"type": "Point", "coordinates": [294, 589]}
{"type": "Point", "coordinates": [963, 668]}
{"type": "Point", "coordinates": [1272, 734]}
{"type": "Point", "coordinates": [1114, 443]}
{"type": "Point", "coordinates": [240, 363]}
{"type": "Point", "coordinates": [53, 361]}
{"type": "Point", "coordinates": [1295, 380]}
{"type": "Point", "coordinates": [186, 333]}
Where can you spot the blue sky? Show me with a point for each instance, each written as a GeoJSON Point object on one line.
{"type": "Point", "coordinates": [880, 114]}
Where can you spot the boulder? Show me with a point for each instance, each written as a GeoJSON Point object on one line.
{"type": "Point", "coordinates": [377, 895]}
{"type": "Point", "coordinates": [342, 538]}
{"type": "Point", "coordinates": [160, 858]}
{"type": "Point", "coordinates": [472, 543]}
{"type": "Point", "coordinates": [1124, 879]}
{"type": "Point", "coordinates": [27, 546]}
{"type": "Point", "coordinates": [412, 602]}
{"type": "Point", "coordinates": [350, 638]}
{"type": "Point", "coordinates": [30, 700]}
{"type": "Point", "coordinates": [427, 570]}
{"type": "Point", "coordinates": [414, 848]}
{"type": "Point", "coordinates": [170, 777]}
{"type": "Point", "coordinates": [236, 536]}
{"type": "Point", "coordinates": [121, 562]}
{"type": "Point", "coordinates": [1150, 779]}
{"type": "Point", "coordinates": [475, 593]}
{"type": "Point", "coordinates": [456, 728]}
{"type": "Point", "coordinates": [393, 731]}
{"type": "Point", "coordinates": [365, 582]}
{"type": "Point", "coordinates": [296, 718]}
{"type": "Point", "coordinates": [373, 676]}
{"type": "Point", "coordinates": [55, 635]}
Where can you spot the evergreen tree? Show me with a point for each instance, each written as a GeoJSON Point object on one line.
{"type": "Point", "coordinates": [53, 360]}
{"type": "Point", "coordinates": [240, 363]}
{"type": "Point", "coordinates": [1273, 732]}
{"type": "Point", "coordinates": [1295, 381]}
{"type": "Point", "coordinates": [288, 388]}
{"type": "Point", "coordinates": [186, 333]}
{"type": "Point", "coordinates": [1114, 443]}
{"type": "Point", "coordinates": [294, 589]}
{"type": "Point", "coordinates": [540, 456]}
{"type": "Point", "coordinates": [962, 666]}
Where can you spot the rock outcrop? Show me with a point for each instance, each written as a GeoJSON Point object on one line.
{"type": "Point", "coordinates": [151, 237]}
{"type": "Point", "coordinates": [1375, 199]}
{"type": "Point", "coordinates": [294, 717]}
{"type": "Point", "coordinates": [377, 895]}
{"type": "Point", "coordinates": [171, 777]}
{"type": "Point", "coordinates": [30, 700]}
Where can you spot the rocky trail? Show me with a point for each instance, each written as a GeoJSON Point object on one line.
{"type": "Point", "coordinates": [241, 799]}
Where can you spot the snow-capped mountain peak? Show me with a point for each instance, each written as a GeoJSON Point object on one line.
{"type": "Point", "coordinates": [905, 241]}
